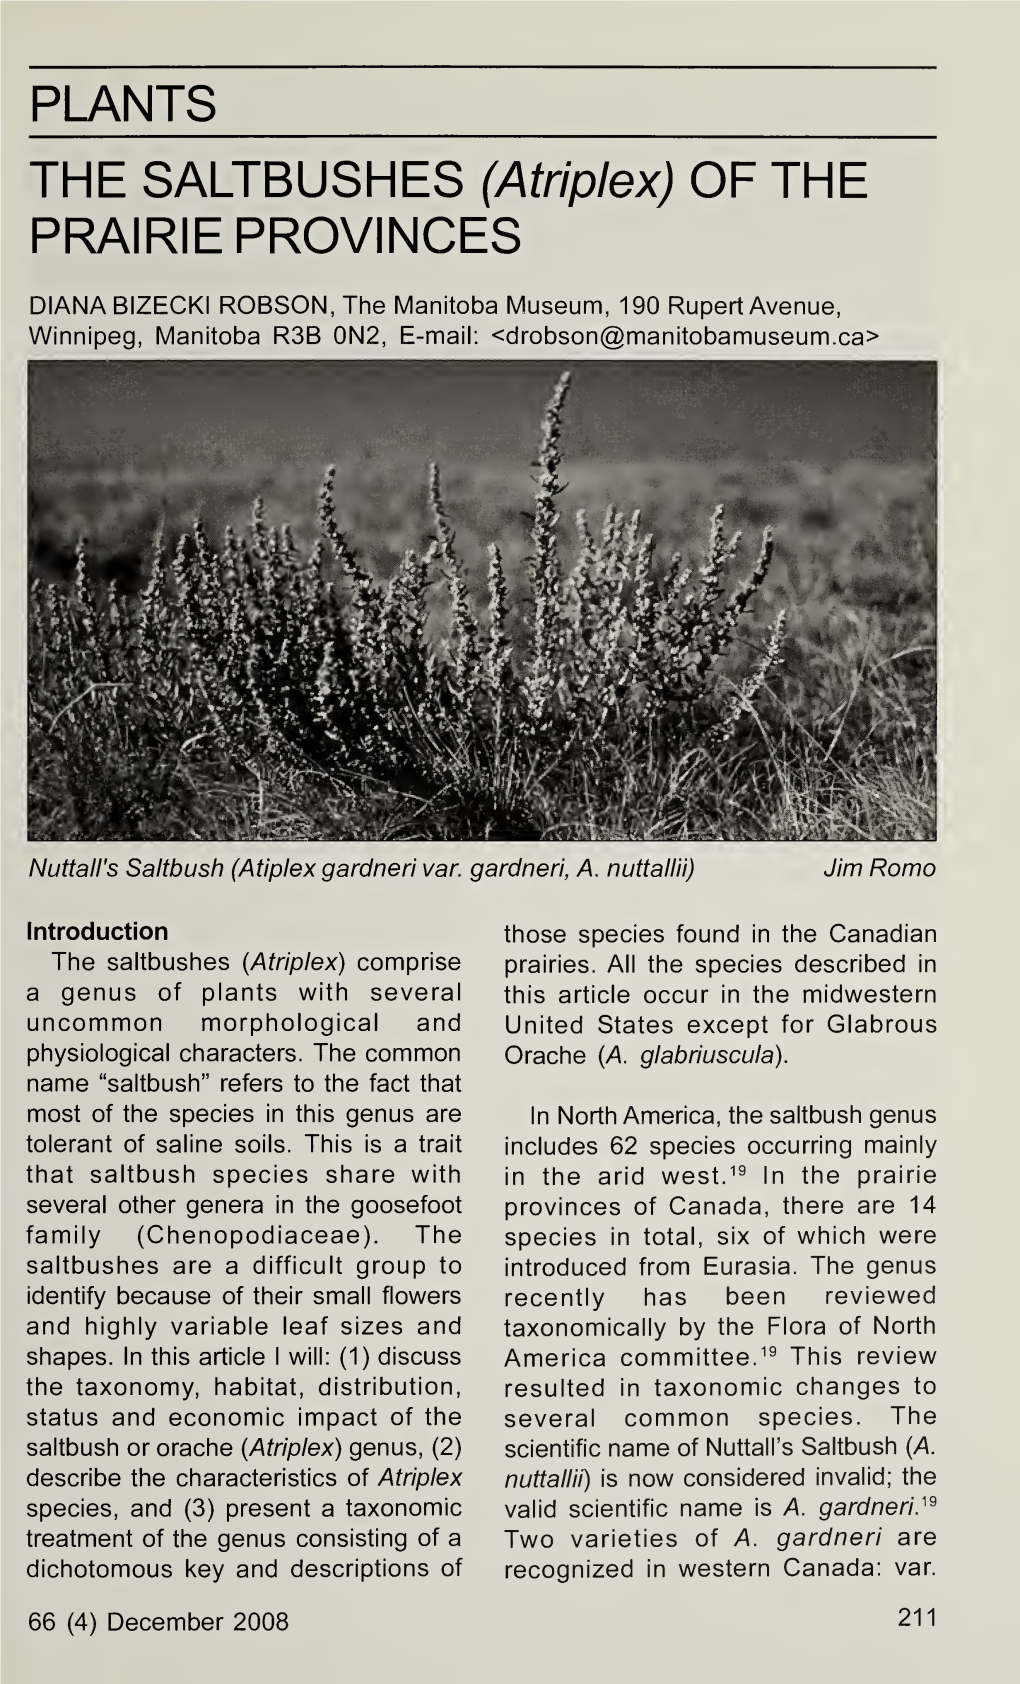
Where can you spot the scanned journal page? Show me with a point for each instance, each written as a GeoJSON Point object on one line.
{"type": "Point", "coordinates": [507, 967]}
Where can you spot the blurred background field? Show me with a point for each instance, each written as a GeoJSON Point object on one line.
{"type": "Point", "coordinates": [838, 458]}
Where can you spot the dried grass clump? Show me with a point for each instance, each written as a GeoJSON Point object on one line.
{"type": "Point", "coordinates": [263, 655]}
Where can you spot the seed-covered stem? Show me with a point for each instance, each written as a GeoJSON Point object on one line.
{"type": "Point", "coordinates": [545, 566]}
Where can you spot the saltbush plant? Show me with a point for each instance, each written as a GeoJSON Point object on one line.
{"type": "Point", "coordinates": [275, 689]}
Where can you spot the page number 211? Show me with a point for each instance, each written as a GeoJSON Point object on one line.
{"type": "Point", "coordinates": [917, 1617]}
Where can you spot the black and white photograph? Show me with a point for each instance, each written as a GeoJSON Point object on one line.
{"type": "Point", "coordinates": [299, 601]}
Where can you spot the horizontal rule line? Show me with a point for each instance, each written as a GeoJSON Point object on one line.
{"type": "Point", "coordinates": [765, 67]}
{"type": "Point", "coordinates": [449, 135]}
